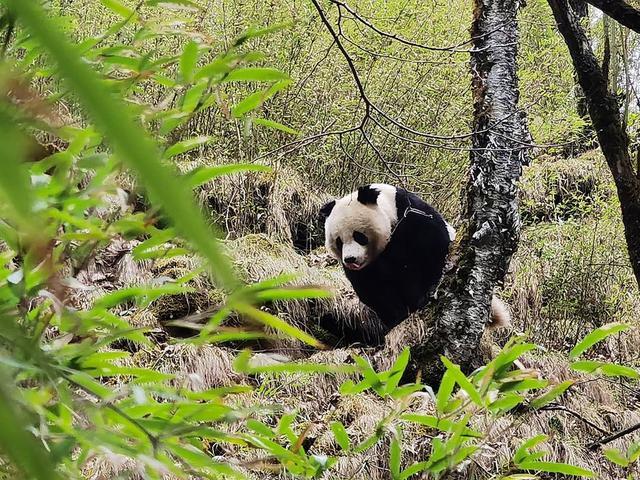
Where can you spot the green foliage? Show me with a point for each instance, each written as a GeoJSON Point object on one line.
{"type": "Point", "coordinates": [621, 458]}
{"type": "Point", "coordinates": [45, 226]}
{"type": "Point", "coordinates": [140, 82]}
{"type": "Point", "coordinates": [596, 336]}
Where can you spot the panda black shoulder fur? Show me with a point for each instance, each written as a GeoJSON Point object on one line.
{"type": "Point", "coordinates": [393, 247]}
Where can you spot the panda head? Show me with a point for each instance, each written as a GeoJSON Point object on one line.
{"type": "Point", "coordinates": [358, 226]}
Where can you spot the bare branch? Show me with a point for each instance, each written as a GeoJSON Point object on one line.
{"type": "Point", "coordinates": [615, 436]}
{"type": "Point", "coordinates": [404, 41]}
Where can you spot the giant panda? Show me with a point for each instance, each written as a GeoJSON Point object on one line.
{"type": "Point", "coordinates": [393, 247]}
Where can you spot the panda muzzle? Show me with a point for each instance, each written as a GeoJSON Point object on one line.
{"type": "Point", "coordinates": [352, 264]}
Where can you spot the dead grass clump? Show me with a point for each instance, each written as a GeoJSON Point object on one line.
{"type": "Point", "coordinates": [108, 465]}
{"type": "Point", "coordinates": [278, 203]}
{"type": "Point", "coordinates": [197, 368]}
{"type": "Point", "coordinates": [558, 189]}
{"type": "Point", "coordinates": [108, 269]}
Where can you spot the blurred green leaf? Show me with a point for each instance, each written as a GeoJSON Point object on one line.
{"type": "Point", "coordinates": [184, 146]}
{"type": "Point", "coordinates": [188, 61]}
{"type": "Point", "coordinates": [118, 7]}
{"type": "Point", "coordinates": [128, 139]}
{"type": "Point", "coordinates": [341, 435]}
{"type": "Point", "coordinates": [202, 175]}
{"type": "Point", "coordinates": [563, 468]}
{"type": "Point", "coordinates": [17, 442]}
{"type": "Point", "coordinates": [256, 74]}
{"type": "Point", "coordinates": [274, 322]}
{"type": "Point", "coordinates": [596, 336]}
{"type": "Point", "coordinates": [616, 456]}
{"type": "Point", "coordinates": [275, 125]}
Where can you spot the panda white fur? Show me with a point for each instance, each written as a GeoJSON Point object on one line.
{"type": "Point", "coordinates": [393, 247]}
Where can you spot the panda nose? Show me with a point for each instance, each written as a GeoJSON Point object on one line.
{"type": "Point", "coordinates": [350, 260]}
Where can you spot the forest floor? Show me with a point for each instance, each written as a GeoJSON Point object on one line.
{"type": "Point", "coordinates": [564, 282]}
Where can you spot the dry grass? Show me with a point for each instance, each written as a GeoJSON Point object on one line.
{"type": "Point", "coordinates": [278, 203]}
{"type": "Point", "coordinates": [569, 278]}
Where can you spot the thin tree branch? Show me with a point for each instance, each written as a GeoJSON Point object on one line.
{"type": "Point", "coordinates": [398, 38]}
{"type": "Point", "coordinates": [562, 408]}
{"type": "Point", "coordinates": [614, 436]}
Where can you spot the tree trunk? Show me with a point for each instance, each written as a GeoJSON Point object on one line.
{"type": "Point", "coordinates": [588, 135]}
{"type": "Point", "coordinates": [499, 152]}
{"type": "Point", "coordinates": [605, 116]}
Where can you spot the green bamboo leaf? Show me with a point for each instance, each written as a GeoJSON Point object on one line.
{"type": "Point", "coordinates": [396, 371]}
{"type": "Point", "coordinates": [442, 424]}
{"type": "Point", "coordinates": [563, 468]}
{"type": "Point", "coordinates": [414, 469]}
{"type": "Point", "coordinates": [15, 183]}
{"type": "Point", "coordinates": [596, 336]}
{"type": "Point", "coordinates": [187, 145]}
{"type": "Point", "coordinates": [523, 385]}
{"type": "Point", "coordinates": [256, 99]}
{"type": "Point", "coordinates": [462, 380]}
{"type": "Point", "coordinates": [274, 322]}
{"type": "Point", "coordinates": [616, 456]}
{"type": "Point", "coordinates": [260, 428]}
{"type": "Point", "coordinates": [17, 442]}
{"type": "Point", "coordinates": [633, 452]}
{"type": "Point", "coordinates": [551, 395]}
{"type": "Point", "coordinates": [258, 32]}
{"type": "Point", "coordinates": [341, 435]}
{"type": "Point", "coordinates": [588, 366]}
{"type": "Point", "coordinates": [128, 139]}
{"type": "Point", "coordinates": [520, 476]}
{"type": "Point", "coordinates": [613, 370]}
{"type": "Point", "coordinates": [523, 451]}
{"type": "Point", "coordinates": [118, 8]}
{"type": "Point", "coordinates": [275, 125]}
{"type": "Point", "coordinates": [249, 104]}
{"type": "Point", "coordinates": [214, 69]}
{"type": "Point", "coordinates": [608, 369]}
{"type": "Point", "coordinates": [191, 100]}
{"type": "Point", "coordinates": [256, 74]}
{"type": "Point", "coordinates": [444, 391]}
{"type": "Point", "coordinates": [506, 403]}
{"type": "Point", "coordinates": [202, 175]}
{"type": "Point", "coordinates": [293, 293]}
{"type": "Point", "coordinates": [175, 4]}
{"type": "Point", "coordinates": [395, 454]}
{"type": "Point", "coordinates": [188, 61]}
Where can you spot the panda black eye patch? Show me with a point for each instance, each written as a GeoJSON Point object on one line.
{"type": "Point", "coordinates": [361, 238]}
{"type": "Point", "coordinates": [339, 243]}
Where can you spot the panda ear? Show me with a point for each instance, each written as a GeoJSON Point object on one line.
{"type": "Point", "coordinates": [368, 195]}
{"type": "Point", "coordinates": [326, 209]}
